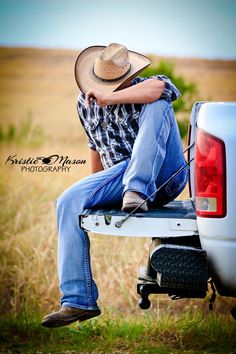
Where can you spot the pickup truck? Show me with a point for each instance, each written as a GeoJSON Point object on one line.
{"type": "Point", "coordinates": [193, 241]}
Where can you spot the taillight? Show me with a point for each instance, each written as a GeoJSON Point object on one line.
{"type": "Point", "coordinates": [210, 176]}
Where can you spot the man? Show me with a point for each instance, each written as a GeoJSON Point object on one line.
{"type": "Point", "coordinates": [134, 147]}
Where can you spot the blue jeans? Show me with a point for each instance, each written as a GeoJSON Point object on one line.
{"type": "Point", "coordinates": [157, 154]}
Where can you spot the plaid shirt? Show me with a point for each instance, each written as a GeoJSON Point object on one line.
{"type": "Point", "coordinates": [112, 130]}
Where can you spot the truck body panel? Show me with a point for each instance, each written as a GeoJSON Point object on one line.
{"type": "Point", "coordinates": [218, 235]}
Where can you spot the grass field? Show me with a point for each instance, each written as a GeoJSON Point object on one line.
{"type": "Point", "coordinates": [185, 333]}
{"type": "Point", "coordinates": [38, 118]}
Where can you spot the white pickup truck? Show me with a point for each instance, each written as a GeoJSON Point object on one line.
{"type": "Point", "coordinates": [194, 240]}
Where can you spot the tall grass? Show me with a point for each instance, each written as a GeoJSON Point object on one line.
{"type": "Point", "coordinates": [26, 132]}
{"type": "Point", "coordinates": [28, 246]}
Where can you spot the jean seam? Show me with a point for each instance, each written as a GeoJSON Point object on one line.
{"type": "Point", "coordinates": [88, 275]}
{"type": "Point", "coordinates": [168, 190]}
{"type": "Point", "coordinates": [157, 154]}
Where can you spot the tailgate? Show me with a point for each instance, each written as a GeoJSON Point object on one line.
{"type": "Point", "coordinates": [174, 219]}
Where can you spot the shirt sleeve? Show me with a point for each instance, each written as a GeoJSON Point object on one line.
{"type": "Point", "coordinates": [170, 93]}
{"type": "Point", "coordinates": [82, 112]}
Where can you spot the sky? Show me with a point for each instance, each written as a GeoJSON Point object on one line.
{"type": "Point", "coordinates": [183, 28]}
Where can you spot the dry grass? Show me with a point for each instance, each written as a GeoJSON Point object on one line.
{"type": "Point", "coordinates": [28, 271]}
{"type": "Point", "coordinates": [42, 82]}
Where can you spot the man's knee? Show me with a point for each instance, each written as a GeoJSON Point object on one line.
{"type": "Point", "coordinates": [154, 112]}
{"type": "Point", "coordinates": [159, 105]}
{"type": "Point", "coordinates": [72, 197]}
{"type": "Point", "coordinates": [63, 199]}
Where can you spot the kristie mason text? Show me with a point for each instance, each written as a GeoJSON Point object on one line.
{"type": "Point", "coordinates": [44, 163]}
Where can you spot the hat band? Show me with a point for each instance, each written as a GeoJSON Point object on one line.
{"type": "Point", "coordinates": [111, 80]}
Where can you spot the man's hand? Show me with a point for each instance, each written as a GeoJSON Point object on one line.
{"type": "Point", "coordinates": [100, 98]}
{"type": "Point", "coordinates": [144, 92]}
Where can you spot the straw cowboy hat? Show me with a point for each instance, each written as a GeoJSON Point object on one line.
{"type": "Point", "coordinates": [107, 68]}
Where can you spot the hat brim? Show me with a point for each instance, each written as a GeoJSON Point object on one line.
{"type": "Point", "coordinates": [86, 79]}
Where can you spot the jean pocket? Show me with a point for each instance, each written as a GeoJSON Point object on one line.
{"type": "Point", "coordinates": [177, 183]}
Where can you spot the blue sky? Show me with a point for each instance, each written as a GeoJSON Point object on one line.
{"type": "Point", "coordinates": [193, 28]}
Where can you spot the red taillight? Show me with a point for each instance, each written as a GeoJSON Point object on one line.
{"type": "Point", "coordinates": [209, 174]}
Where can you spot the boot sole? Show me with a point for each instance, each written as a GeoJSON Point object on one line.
{"type": "Point", "coordinates": [60, 322]}
{"type": "Point", "coordinates": [132, 206]}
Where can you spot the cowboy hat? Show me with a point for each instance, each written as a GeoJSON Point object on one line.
{"type": "Point", "coordinates": [107, 68]}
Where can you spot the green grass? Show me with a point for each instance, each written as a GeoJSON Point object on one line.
{"type": "Point", "coordinates": [26, 133]}
{"type": "Point", "coordinates": [190, 333]}
{"type": "Point", "coordinates": [183, 127]}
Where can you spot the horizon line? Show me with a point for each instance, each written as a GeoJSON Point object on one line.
{"type": "Point", "coordinates": [23, 46]}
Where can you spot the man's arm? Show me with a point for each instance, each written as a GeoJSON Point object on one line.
{"type": "Point", "coordinates": [143, 92]}
{"type": "Point", "coordinates": [95, 161]}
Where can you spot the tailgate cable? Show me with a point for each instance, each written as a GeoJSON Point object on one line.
{"type": "Point", "coordinates": [118, 224]}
